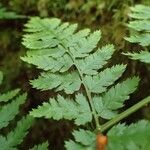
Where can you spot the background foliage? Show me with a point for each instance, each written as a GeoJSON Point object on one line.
{"type": "Point", "coordinates": [111, 16]}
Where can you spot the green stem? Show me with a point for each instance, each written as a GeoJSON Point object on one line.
{"type": "Point", "coordinates": [98, 127]}
{"type": "Point", "coordinates": [125, 114]}
{"type": "Point", "coordinates": [88, 92]}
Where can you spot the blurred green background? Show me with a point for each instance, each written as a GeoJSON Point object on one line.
{"type": "Point", "coordinates": [110, 16]}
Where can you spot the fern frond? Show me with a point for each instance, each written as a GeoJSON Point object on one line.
{"type": "Point", "coordinates": [15, 137]}
{"type": "Point", "coordinates": [136, 135]}
{"type": "Point", "coordinates": [70, 60]}
{"type": "Point", "coordinates": [10, 110]}
{"type": "Point", "coordinates": [67, 82]}
{"type": "Point", "coordinates": [43, 146]}
{"type": "Point", "coordinates": [4, 14]}
{"type": "Point", "coordinates": [143, 56]}
{"type": "Point", "coordinates": [99, 83]}
{"type": "Point", "coordinates": [77, 110]}
{"type": "Point", "coordinates": [9, 95]}
{"type": "Point", "coordinates": [85, 140]}
{"type": "Point", "coordinates": [141, 24]}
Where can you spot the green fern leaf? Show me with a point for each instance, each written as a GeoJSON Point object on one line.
{"type": "Point", "coordinates": [10, 110]}
{"type": "Point", "coordinates": [71, 145]}
{"type": "Point", "coordinates": [49, 63]}
{"type": "Point", "coordinates": [136, 135]}
{"type": "Point", "coordinates": [77, 110]}
{"type": "Point", "coordinates": [143, 56]}
{"type": "Point", "coordinates": [49, 33]}
{"type": "Point", "coordinates": [142, 39]}
{"type": "Point", "coordinates": [140, 12]}
{"type": "Point", "coordinates": [141, 26]}
{"type": "Point", "coordinates": [89, 65]}
{"type": "Point", "coordinates": [84, 137]}
{"type": "Point", "coordinates": [85, 140]}
{"type": "Point", "coordinates": [115, 97]}
{"type": "Point", "coordinates": [71, 60]}
{"type": "Point", "coordinates": [107, 105]}
{"type": "Point", "coordinates": [4, 14]}
{"type": "Point", "coordinates": [43, 146]}
{"type": "Point", "coordinates": [102, 109]}
{"type": "Point", "coordinates": [100, 82]}
{"type": "Point", "coordinates": [37, 25]}
{"type": "Point", "coordinates": [67, 82]}
{"type": "Point", "coordinates": [15, 137]}
{"type": "Point", "coordinates": [9, 95]}
{"type": "Point", "coordinates": [53, 51]}
{"type": "Point", "coordinates": [96, 61]}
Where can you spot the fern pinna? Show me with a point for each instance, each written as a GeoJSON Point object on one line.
{"type": "Point", "coordinates": [9, 108]}
{"type": "Point", "coordinates": [72, 63]}
{"type": "Point", "coordinates": [140, 32]}
{"type": "Point", "coordinates": [5, 14]}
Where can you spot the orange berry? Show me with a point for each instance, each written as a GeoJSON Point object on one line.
{"type": "Point", "coordinates": [101, 142]}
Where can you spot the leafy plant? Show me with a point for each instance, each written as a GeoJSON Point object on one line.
{"type": "Point", "coordinates": [72, 63]}
{"type": "Point", "coordinates": [10, 103]}
{"type": "Point", "coordinates": [4, 14]}
{"type": "Point", "coordinates": [140, 32]}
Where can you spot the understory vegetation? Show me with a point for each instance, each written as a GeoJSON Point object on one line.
{"type": "Point", "coordinates": [80, 74]}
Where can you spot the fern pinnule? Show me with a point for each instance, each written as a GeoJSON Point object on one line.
{"type": "Point", "coordinates": [5, 97]}
{"type": "Point", "coordinates": [43, 146]}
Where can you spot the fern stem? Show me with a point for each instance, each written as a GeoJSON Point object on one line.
{"type": "Point", "coordinates": [98, 127]}
{"type": "Point", "coordinates": [126, 113]}
{"type": "Point", "coordinates": [88, 92]}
